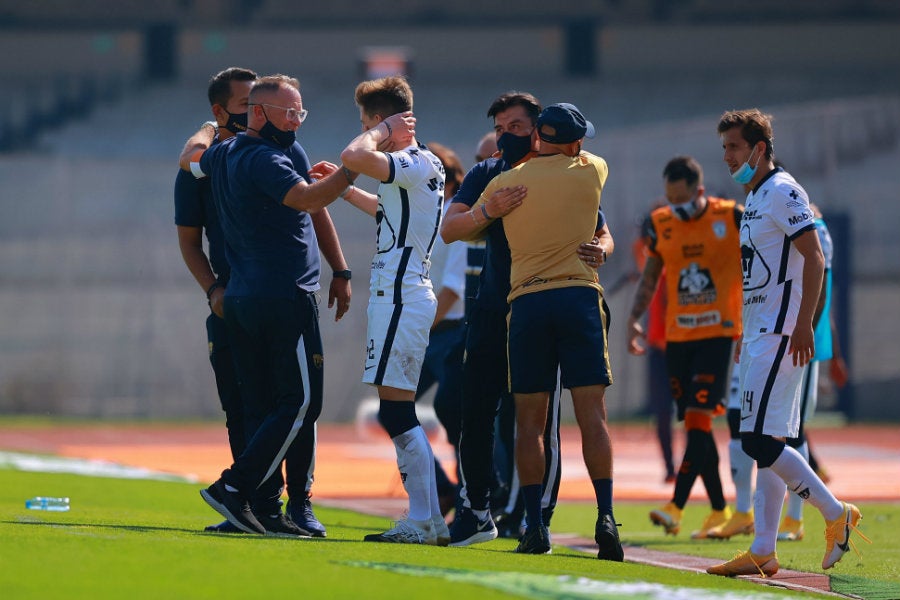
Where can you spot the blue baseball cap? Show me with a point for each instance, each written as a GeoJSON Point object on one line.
{"type": "Point", "coordinates": [563, 123]}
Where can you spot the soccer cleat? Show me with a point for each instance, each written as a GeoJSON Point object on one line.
{"type": "Point", "coordinates": [607, 537]}
{"type": "Point", "coordinates": [302, 514]}
{"type": "Point", "coordinates": [535, 541]}
{"type": "Point", "coordinates": [791, 530]}
{"type": "Point", "coordinates": [468, 529]}
{"type": "Point", "coordinates": [231, 506]}
{"type": "Point", "coordinates": [281, 525]}
{"type": "Point", "coordinates": [669, 517]}
{"type": "Point", "coordinates": [223, 527]}
{"type": "Point", "coordinates": [837, 535]}
{"type": "Point", "coordinates": [441, 531]}
{"type": "Point", "coordinates": [739, 523]}
{"type": "Point", "coordinates": [406, 531]}
{"type": "Point", "coordinates": [713, 519]}
{"type": "Point", "coordinates": [747, 563]}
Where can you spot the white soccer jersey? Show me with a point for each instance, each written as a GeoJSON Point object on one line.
{"type": "Point", "coordinates": [410, 203]}
{"type": "Point", "coordinates": [776, 213]}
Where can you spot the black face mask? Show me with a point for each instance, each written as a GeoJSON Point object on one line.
{"type": "Point", "coordinates": [237, 122]}
{"type": "Point", "coordinates": [514, 147]}
{"type": "Point", "coordinates": [269, 132]}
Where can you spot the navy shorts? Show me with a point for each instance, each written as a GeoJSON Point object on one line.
{"type": "Point", "coordinates": [565, 329]}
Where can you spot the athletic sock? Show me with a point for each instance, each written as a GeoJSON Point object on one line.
{"type": "Point", "coordinates": [802, 480]}
{"type": "Point", "coordinates": [741, 475]}
{"type": "Point", "coordinates": [709, 473]}
{"type": "Point", "coordinates": [433, 500]}
{"type": "Point", "coordinates": [694, 457]}
{"type": "Point", "coordinates": [532, 494]}
{"type": "Point", "coordinates": [794, 501]}
{"type": "Point", "coordinates": [603, 492]}
{"type": "Point", "coordinates": [415, 463]}
{"type": "Point", "coordinates": [767, 502]}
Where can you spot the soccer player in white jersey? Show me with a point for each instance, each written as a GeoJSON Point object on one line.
{"type": "Point", "coordinates": [402, 305]}
{"type": "Point", "coordinates": [783, 268]}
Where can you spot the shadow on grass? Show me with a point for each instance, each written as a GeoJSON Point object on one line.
{"type": "Point", "coordinates": [157, 529]}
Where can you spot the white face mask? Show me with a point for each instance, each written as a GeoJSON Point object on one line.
{"type": "Point", "coordinates": [745, 172]}
{"type": "Point", "coordinates": [687, 210]}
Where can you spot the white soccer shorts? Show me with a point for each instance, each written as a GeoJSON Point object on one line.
{"type": "Point", "coordinates": [770, 387]}
{"type": "Point", "coordinates": [397, 336]}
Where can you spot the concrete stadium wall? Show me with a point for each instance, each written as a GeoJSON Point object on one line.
{"type": "Point", "coordinates": [101, 318]}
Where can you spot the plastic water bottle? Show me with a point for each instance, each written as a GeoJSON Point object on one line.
{"type": "Point", "coordinates": [46, 503]}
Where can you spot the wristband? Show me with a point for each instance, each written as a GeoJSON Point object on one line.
{"type": "Point", "coordinates": [390, 131]}
{"type": "Point", "coordinates": [485, 212]}
{"type": "Point", "coordinates": [347, 191]}
{"type": "Point", "coordinates": [216, 285]}
{"type": "Point", "coordinates": [345, 274]}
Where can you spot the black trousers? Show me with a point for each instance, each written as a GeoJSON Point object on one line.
{"type": "Point", "coordinates": [278, 358]}
{"type": "Point", "coordinates": [485, 382]}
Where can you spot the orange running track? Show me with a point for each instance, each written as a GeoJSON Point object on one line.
{"type": "Point", "coordinates": [863, 461]}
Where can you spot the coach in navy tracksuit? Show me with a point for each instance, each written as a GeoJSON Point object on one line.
{"type": "Point", "coordinates": [270, 304]}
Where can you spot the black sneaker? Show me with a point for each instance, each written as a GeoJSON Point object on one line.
{"type": "Point", "coordinates": [281, 525]}
{"type": "Point", "coordinates": [231, 506]}
{"type": "Point", "coordinates": [607, 537]}
{"type": "Point", "coordinates": [302, 514]}
{"type": "Point", "coordinates": [223, 527]}
{"type": "Point", "coordinates": [468, 529]}
{"type": "Point", "coordinates": [509, 526]}
{"type": "Point", "coordinates": [535, 541]}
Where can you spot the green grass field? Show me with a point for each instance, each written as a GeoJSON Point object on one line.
{"type": "Point", "coordinates": [144, 539]}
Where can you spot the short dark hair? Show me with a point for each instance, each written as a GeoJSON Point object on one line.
{"type": "Point", "coordinates": [219, 90]}
{"type": "Point", "coordinates": [683, 168]}
{"type": "Point", "coordinates": [513, 98]}
{"type": "Point", "coordinates": [755, 125]}
{"type": "Point", "coordinates": [386, 96]}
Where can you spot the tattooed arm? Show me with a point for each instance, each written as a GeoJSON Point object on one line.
{"type": "Point", "coordinates": [642, 297]}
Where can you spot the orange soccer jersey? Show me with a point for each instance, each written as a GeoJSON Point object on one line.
{"type": "Point", "coordinates": [702, 258]}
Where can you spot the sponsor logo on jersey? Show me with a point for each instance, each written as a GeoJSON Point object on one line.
{"type": "Point", "coordinates": [796, 219]}
{"type": "Point", "coordinates": [318, 360]}
{"type": "Point", "coordinates": [403, 162]}
{"type": "Point", "coordinates": [699, 320]}
{"type": "Point", "coordinates": [692, 250]}
{"type": "Point", "coordinates": [757, 299]}
{"type": "Point", "coordinates": [695, 286]}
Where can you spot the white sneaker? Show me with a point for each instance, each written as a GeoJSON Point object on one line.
{"type": "Point", "coordinates": [441, 531]}
{"type": "Point", "coordinates": [406, 531]}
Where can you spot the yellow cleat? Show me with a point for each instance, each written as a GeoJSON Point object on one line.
{"type": "Point", "coordinates": [837, 535]}
{"type": "Point", "coordinates": [739, 523]}
{"type": "Point", "coordinates": [747, 563]}
{"type": "Point", "coordinates": [713, 519]}
{"type": "Point", "coordinates": [669, 516]}
{"type": "Point", "coordinates": [791, 530]}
